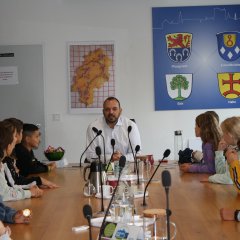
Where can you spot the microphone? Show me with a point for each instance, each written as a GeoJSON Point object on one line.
{"type": "Point", "coordinates": [166, 182]}
{"type": "Point", "coordinates": [98, 133]}
{"type": "Point", "coordinates": [87, 212]}
{"type": "Point", "coordinates": [137, 149]}
{"type": "Point", "coordinates": [166, 179]}
{"type": "Point", "coordinates": [165, 154]}
{"type": "Point", "coordinates": [104, 150]}
{"type": "Point", "coordinates": [129, 129]}
{"type": "Point", "coordinates": [122, 162]}
{"type": "Point", "coordinates": [113, 144]}
{"type": "Point", "coordinates": [98, 152]}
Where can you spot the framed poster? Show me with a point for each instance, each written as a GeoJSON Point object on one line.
{"type": "Point", "coordinates": [91, 75]}
{"type": "Point", "coordinates": [196, 57]}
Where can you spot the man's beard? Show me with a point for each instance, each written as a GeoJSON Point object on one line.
{"type": "Point", "coordinates": [112, 119]}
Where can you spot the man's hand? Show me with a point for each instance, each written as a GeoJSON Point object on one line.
{"type": "Point", "coordinates": [20, 218]}
{"type": "Point", "coordinates": [116, 156]}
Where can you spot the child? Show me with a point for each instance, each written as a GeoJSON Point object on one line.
{"type": "Point", "coordinates": [5, 232]}
{"type": "Point", "coordinates": [197, 156]}
{"type": "Point", "coordinates": [26, 161]}
{"type": "Point", "coordinates": [222, 175]}
{"type": "Point", "coordinates": [7, 144]}
{"type": "Point", "coordinates": [231, 134]}
{"type": "Point", "coordinates": [11, 162]}
{"type": "Point", "coordinates": [10, 215]}
{"type": "Point", "coordinates": [207, 128]}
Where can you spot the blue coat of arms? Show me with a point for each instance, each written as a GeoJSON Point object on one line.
{"type": "Point", "coordinates": [229, 45]}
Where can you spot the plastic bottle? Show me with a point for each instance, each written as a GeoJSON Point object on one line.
{"type": "Point", "coordinates": [178, 143]}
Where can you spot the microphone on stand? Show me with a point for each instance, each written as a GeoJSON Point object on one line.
{"type": "Point", "coordinates": [87, 212]}
{"type": "Point", "coordinates": [166, 182]}
{"type": "Point", "coordinates": [129, 129]}
{"type": "Point", "coordinates": [122, 162]}
{"type": "Point", "coordinates": [104, 150]}
{"type": "Point", "coordinates": [98, 152]}
{"type": "Point", "coordinates": [98, 133]}
{"type": "Point", "coordinates": [137, 149]}
{"type": "Point", "coordinates": [113, 144]}
{"type": "Point", "coordinates": [165, 154]}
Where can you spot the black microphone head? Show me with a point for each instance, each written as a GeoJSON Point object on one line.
{"type": "Point", "coordinates": [166, 153]}
{"type": "Point", "coordinates": [129, 129]}
{"type": "Point", "coordinates": [166, 178]}
{"type": "Point", "coordinates": [113, 142]}
{"type": "Point", "coordinates": [95, 129]}
{"type": "Point", "coordinates": [98, 150]}
{"type": "Point", "coordinates": [137, 148]}
{"type": "Point", "coordinates": [87, 211]}
{"type": "Point", "coordinates": [99, 132]}
{"type": "Point", "coordinates": [122, 162]}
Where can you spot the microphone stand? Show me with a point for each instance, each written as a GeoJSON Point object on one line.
{"type": "Point", "coordinates": [111, 155]}
{"type": "Point", "coordinates": [98, 133]}
{"type": "Point", "coordinates": [166, 154]}
{"type": "Point", "coordinates": [90, 228]}
{"type": "Point", "coordinates": [113, 194]}
{"type": "Point", "coordinates": [87, 211]}
{"type": "Point", "coordinates": [168, 213]}
{"type": "Point", "coordinates": [104, 150]}
{"type": "Point", "coordinates": [129, 130]}
{"type": "Point", "coordinates": [137, 163]}
{"type": "Point", "coordinates": [98, 152]}
{"type": "Point", "coordinates": [166, 181]}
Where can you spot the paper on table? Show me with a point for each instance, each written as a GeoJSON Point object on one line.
{"type": "Point", "coordinates": [130, 177]}
{"type": "Point", "coordinates": [98, 195]}
{"type": "Point", "coordinates": [97, 222]}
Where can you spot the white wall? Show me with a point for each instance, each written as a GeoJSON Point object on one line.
{"type": "Point", "coordinates": [128, 22]}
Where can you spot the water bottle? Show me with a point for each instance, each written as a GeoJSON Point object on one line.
{"type": "Point", "coordinates": [178, 143]}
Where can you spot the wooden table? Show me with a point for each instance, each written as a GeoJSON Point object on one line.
{"type": "Point", "coordinates": [195, 208]}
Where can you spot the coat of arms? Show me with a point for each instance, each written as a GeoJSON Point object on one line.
{"type": "Point", "coordinates": [229, 84]}
{"type": "Point", "coordinates": [179, 46]}
{"type": "Point", "coordinates": [179, 86]}
{"type": "Point", "coordinates": [229, 45]}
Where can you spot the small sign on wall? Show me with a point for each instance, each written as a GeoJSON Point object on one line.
{"type": "Point", "coordinates": [8, 75]}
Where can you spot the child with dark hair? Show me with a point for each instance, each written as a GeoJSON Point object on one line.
{"type": "Point", "coordinates": [7, 144]}
{"type": "Point", "coordinates": [208, 129]}
{"type": "Point", "coordinates": [16, 178]}
{"type": "Point", "coordinates": [27, 163]}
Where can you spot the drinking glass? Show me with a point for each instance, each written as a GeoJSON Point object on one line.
{"type": "Point", "coordinates": [115, 211]}
{"type": "Point", "coordinates": [155, 225]}
{"type": "Point", "coordinates": [127, 208]}
{"type": "Point", "coordinates": [89, 189]}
